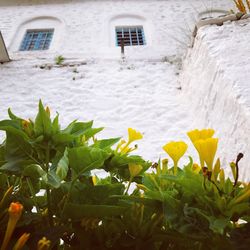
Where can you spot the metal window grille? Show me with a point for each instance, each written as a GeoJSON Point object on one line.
{"type": "Point", "coordinates": [132, 36]}
{"type": "Point", "coordinates": [37, 40]}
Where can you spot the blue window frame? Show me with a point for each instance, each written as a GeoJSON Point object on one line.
{"type": "Point", "coordinates": [132, 36]}
{"type": "Point", "coordinates": [37, 40]}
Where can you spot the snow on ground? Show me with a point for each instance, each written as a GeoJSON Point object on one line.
{"type": "Point", "coordinates": [115, 94]}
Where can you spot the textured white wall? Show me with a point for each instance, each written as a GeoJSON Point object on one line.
{"type": "Point", "coordinates": [215, 81]}
{"type": "Point", "coordinates": [142, 93]}
{"type": "Point", "coordinates": [87, 26]}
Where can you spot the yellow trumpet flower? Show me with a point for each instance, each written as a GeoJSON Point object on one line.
{"type": "Point", "coordinates": [43, 244]}
{"type": "Point", "coordinates": [15, 212]}
{"type": "Point", "coordinates": [203, 134]}
{"type": "Point", "coordinates": [21, 241]}
{"type": "Point", "coordinates": [196, 135]}
{"type": "Point", "coordinates": [175, 150]}
{"type": "Point", "coordinates": [134, 135]}
{"type": "Point", "coordinates": [207, 150]}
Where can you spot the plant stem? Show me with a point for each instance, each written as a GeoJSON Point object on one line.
{"type": "Point", "coordinates": [33, 194]}
{"type": "Point", "coordinates": [175, 169]}
{"type": "Point", "coordinates": [239, 157]}
{"type": "Point", "coordinates": [130, 181]}
{"type": "Point", "coordinates": [50, 215]}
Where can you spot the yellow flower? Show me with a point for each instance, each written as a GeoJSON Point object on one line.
{"type": "Point", "coordinates": [15, 212]}
{"type": "Point", "coordinates": [134, 135]}
{"type": "Point", "coordinates": [134, 169]}
{"type": "Point", "coordinates": [21, 241]}
{"type": "Point", "coordinates": [196, 135]}
{"type": "Point", "coordinates": [175, 150]}
{"type": "Point", "coordinates": [207, 150]}
{"type": "Point", "coordinates": [43, 244]}
{"type": "Point", "coordinates": [203, 134]}
{"type": "Point", "coordinates": [196, 168]}
{"type": "Point", "coordinates": [94, 180]}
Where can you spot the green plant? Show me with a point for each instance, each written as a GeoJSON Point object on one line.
{"type": "Point", "coordinates": [49, 170]}
{"type": "Point", "coordinates": [59, 60]}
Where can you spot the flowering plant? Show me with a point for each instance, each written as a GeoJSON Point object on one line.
{"type": "Point", "coordinates": [56, 201]}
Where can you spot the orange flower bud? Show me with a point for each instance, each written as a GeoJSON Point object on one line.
{"type": "Point", "coordinates": [21, 241]}
{"type": "Point", "coordinates": [47, 110]}
{"type": "Point", "coordinates": [15, 210]}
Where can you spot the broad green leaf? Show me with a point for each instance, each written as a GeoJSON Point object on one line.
{"type": "Point", "coordinates": [52, 179]}
{"type": "Point", "coordinates": [42, 124]}
{"type": "Point", "coordinates": [78, 128]}
{"type": "Point", "coordinates": [10, 123]}
{"type": "Point", "coordinates": [105, 143]}
{"type": "Point", "coordinates": [218, 225]}
{"type": "Point", "coordinates": [12, 116]}
{"type": "Point", "coordinates": [15, 166]}
{"type": "Point", "coordinates": [63, 165]}
{"type": "Point", "coordinates": [33, 171]}
{"type": "Point", "coordinates": [96, 195]}
{"type": "Point", "coordinates": [122, 160]}
{"type": "Point", "coordinates": [91, 132]}
{"type": "Point", "coordinates": [63, 138]}
{"type": "Point", "coordinates": [78, 212]}
{"type": "Point", "coordinates": [83, 159]}
{"type": "Point", "coordinates": [55, 125]}
{"type": "Point", "coordinates": [16, 147]}
{"type": "Point", "coordinates": [13, 128]}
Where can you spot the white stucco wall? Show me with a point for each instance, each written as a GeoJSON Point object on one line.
{"type": "Point", "coordinates": [86, 27]}
{"type": "Point", "coordinates": [144, 92]}
{"type": "Point", "coordinates": [215, 82]}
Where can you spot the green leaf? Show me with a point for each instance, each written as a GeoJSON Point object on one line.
{"type": "Point", "coordinates": [121, 160]}
{"type": "Point", "coordinates": [52, 179]}
{"type": "Point", "coordinates": [78, 128]}
{"type": "Point", "coordinates": [12, 116]}
{"type": "Point", "coordinates": [13, 128]}
{"type": "Point", "coordinates": [83, 159]}
{"type": "Point", "coordinates": [91, 132]}
{"type": "Point", "coordinates": [63, 138]}
{"type": "Point", "coordinates": [33, 171]}
{"type": "Point", "coordinates": [55, 125]}
{"type": "Point", "coordinates": [218, 225]}
{"type": "Point", "coordinates": [42, 124]}
{"type": "Point", "coordinates": [15, 166]}
{"type": "Point", "coordinates": [63, 166]}
{"type": "Point", "coordinates": [105, 143]}
{"type": "Point", "coordinates": [17, 147]}
{"type": "Point", "coordinates": [78, 212]}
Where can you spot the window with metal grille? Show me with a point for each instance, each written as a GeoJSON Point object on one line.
{"type": "Point", "coordinates": [132, 36]}
{"type": "Point", "coordinates": [37, 40]}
